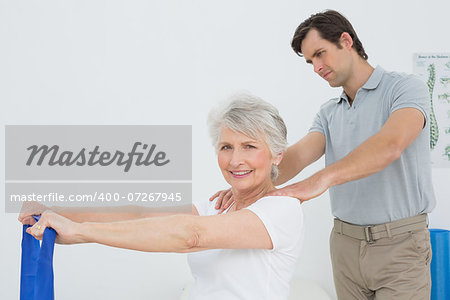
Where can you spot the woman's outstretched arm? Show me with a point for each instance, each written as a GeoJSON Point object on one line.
{"type": "Point", "coordinates": [178, 233]}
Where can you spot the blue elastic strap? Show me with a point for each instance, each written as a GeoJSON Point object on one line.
{"type": "Point", "coordinates": [36, 276]}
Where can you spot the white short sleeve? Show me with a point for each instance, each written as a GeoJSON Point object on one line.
{"type": "Point", "coordinates": [206, 207]}
{"type": "Point", "coordinates": [283, 219]}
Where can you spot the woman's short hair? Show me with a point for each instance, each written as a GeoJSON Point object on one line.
{"type": "Point", "coordinates": [253, 117]}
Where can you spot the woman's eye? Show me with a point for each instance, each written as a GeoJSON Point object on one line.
{"type": "Point", "coordinates": [250, 147]}
{"type": "Point", "coordinates": [226, 147]}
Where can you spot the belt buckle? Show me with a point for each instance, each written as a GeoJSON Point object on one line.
{"type": "Point", "coordinates": [368, 234]}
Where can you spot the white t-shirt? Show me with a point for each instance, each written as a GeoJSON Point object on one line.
{"type": "Point", "coordinates": [227, 274]}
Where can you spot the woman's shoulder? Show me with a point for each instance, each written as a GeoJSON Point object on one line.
{"type": "Point", "coordinates": [280, 200]}
{"type": "Point", "coordinates": [279, 205]}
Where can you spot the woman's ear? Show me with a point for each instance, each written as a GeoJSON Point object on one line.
{"type": "Point", "coordinates": [277, 159]}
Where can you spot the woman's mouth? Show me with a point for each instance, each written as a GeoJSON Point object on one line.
{"type": "Point", "coordinates": [240, 174]}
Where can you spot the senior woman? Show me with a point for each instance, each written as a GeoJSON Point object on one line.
{"type": "Point", "coordinates": [249, 251]}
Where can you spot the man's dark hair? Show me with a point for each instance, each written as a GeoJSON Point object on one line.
{"type": "Point", "coordinates": [330, 24]}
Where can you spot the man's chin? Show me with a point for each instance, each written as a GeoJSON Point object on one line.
{"type": "Point", "coordinates": [334, 84]}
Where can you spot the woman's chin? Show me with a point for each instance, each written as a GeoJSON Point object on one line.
{"type": "Point", "coordinates": [241, 188]}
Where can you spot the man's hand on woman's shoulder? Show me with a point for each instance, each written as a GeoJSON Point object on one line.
{"type": "Point", "coordinates": [304, 190]}
{"type": "Point", "coordinates": [224, 199]}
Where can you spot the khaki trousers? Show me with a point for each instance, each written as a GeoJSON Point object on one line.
{"type": "Point", "coordinates": [389, 268]}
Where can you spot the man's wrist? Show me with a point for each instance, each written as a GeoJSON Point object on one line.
{"type": "Point", "coordinates": [327, 177]}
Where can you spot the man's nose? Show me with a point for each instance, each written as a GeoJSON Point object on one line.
{"type": "Point", "coordinates": [318, 67]}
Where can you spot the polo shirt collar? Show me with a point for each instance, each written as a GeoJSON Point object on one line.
{"type": "Point", "coordinates": [372, 83]}
{"type": "Point", "coordinates": [374, 79]}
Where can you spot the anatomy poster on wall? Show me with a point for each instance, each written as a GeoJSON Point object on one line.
{"type": "Point", "coordinates": [434, 69]}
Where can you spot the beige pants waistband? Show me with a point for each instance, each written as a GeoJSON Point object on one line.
{"type": "Point", "coordinates": [373, 233]}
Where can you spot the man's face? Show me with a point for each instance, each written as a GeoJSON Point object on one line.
{"type": "Point", "coordinates": [330, 62]}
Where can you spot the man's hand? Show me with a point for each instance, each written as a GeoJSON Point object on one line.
{"type": "Point", "coordinates": [304, 190]}
{"type": "Point", "coordinates": [225, 199]}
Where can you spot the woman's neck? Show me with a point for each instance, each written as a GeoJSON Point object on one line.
{"type": "Point", "coordinates": [242, 199]}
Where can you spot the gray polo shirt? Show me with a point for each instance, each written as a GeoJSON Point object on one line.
{"type": "Point", "coordinates": [404, 188]}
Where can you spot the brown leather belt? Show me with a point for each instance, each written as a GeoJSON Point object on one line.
{"type": "Point", "coordinates": [372, 233]}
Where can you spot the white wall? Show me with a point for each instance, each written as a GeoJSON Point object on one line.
{"type": "Point", "coordinates": [169, 62]}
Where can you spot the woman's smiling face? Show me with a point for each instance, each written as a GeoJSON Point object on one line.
{"type": "Point", "coordinates": [245, 162]}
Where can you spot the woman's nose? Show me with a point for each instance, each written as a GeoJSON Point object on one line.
{"type": "Point", "coordinates": [236, 158]}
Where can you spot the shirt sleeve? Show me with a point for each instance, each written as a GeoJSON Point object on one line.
{"type": "Point", "coordinates": [283, 219]}
{"type": "Point", "coordinates": [412, 92]}
{"type": "Point", "coordinates": [203, 207]}
{"type": "Point", "coordinates": [317, 125]}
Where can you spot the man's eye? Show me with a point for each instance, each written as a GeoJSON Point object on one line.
{"type": "Point", "coordinates": [319, 53]}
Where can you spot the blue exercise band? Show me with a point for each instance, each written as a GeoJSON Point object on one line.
{"type": "Point", "coordinates": [36, 275]}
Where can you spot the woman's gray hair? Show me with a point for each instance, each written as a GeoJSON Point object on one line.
{"type": "Point", "coordinates": [253, 117]}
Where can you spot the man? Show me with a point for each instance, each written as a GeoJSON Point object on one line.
{"type": "Point", "coordinates": [375, 138]}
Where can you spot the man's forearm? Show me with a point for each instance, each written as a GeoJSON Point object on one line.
{"type": "Point", "coordinates": [370, 157]}
{"type": "Point", "coordinates": [379, 151]}
{"type": "Point", "coordinates": [300, 155]}
{"type": "Point", "coordinates": [373, 155]}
